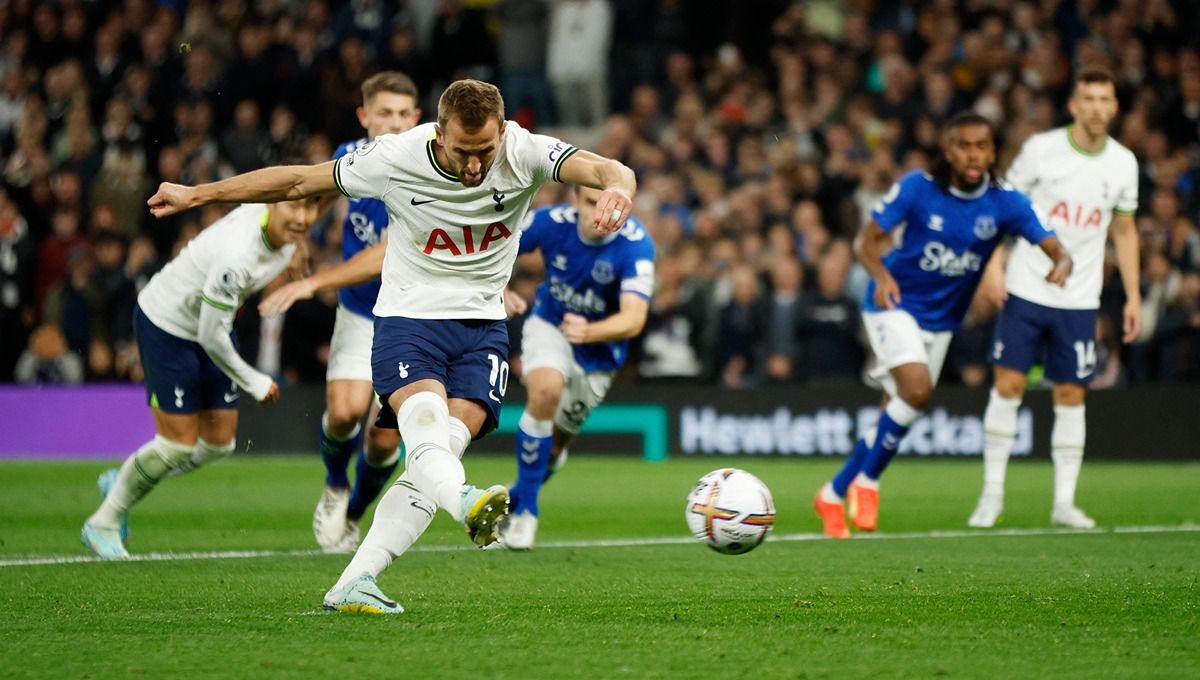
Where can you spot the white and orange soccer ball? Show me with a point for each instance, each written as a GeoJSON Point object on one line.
{"type": "Point", "coordinates": [730, 511]}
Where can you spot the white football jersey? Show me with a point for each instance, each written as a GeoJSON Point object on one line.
{"type": "Point", "coordinates": [450, 249]}
{"type": "Point", "coordinates": [1075, 193]}
{"type": "Point", "coordinates": [223, 265]}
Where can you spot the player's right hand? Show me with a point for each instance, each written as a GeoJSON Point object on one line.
{"type": "Point", "coordinates": [887, 292]}
{"type": "Point", "coordinates": [271, 396]}
{"type": "Point", "coordinates": [1061, 270]}
{"type": "Point", "coordinates": [514, 304]}
{"type": "Point", "coordinates": [285, 296]}
{"type": "Point", "coordinates": [171, 199]}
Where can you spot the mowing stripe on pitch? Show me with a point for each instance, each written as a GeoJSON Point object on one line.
{"type": "Point", "coordinates": [36, 560]}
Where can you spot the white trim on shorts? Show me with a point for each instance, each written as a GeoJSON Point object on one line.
{"type": "Point", "coordinates": [896, 339]}
{"type": "Point", "coordinates": [544, 346]}
{"type": "Point", "coordinates": [350, 347]}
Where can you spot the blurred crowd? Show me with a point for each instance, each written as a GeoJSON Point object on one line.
{"type": "Point", "coordinates": [761, 132]}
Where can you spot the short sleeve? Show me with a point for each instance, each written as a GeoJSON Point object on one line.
{"type": "Point", "coordinates": [366, 172]}
{"type": "Point", "coordinates": [224, 287]}
{"type": "Point", "coordinates": [1022, 174]}
{"type": "Point", "coordinates": [637, 275]}
{"type": "Point", "coordinates": [892, 209]}
{"type": "Point", "coordinates": [538, 156]}
{"type": "Point", "coordinates": [1023, 220]}
{"type": "Point", "coordinates": [1127, 200]}
{"type": "Point", "coordinates": [531, 231]}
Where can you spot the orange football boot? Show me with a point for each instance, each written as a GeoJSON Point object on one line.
{"type": "Point", "coordinates": [833, 517]}
{"type": "Point", "coordinates": [864, 506]}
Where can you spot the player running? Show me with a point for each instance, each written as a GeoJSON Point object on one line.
{"type": "Point", "coordinates": [1084, 185]}
{"type": "Point", "coordinates": [184, 328]}
{"type": "Point", "coordinates": [920, 291]}
{"type": "Point", "coordinates": [389, 106]}
{"type": "Point", "coordinates": [595, 297]}
{"type": "Point", "coordinates": [455, 192]}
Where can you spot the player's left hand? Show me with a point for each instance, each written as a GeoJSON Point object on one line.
{"type": "Point", "coordinates": [1060, 271]}
{"type": "Point", "coordinates": [285, 296]}
{"type": "Point", "coordinates": [612, 208]}
{"type": "Point", "coordinates": [514, 305]}
{"type": "Point", "coordinates": [1131, 321]}
{"type": "Point", "coordinates": [574, 327]}
{"type": "Point", "coordinates": [171, 199]}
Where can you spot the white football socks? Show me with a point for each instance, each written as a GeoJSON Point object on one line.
{"type": "Point", "coordinates": [999, 435]}
{"type": "Point", "coordinates": [1066, 448]}
{"type": "Point", "coordinates": [138, 475]}
{"type": "Point", "coordinates": [403, 514]}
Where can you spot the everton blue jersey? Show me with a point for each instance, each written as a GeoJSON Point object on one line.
{"type": "Point", "coordinates": [947, 239]}
{"type": "Point", "coordinates": [365, 223]}
{"type": "Point", "coordinates": [588, 278]}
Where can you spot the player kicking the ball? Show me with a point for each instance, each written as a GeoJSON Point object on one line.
{"type": "Point", "coordinates": [1084, 185]}
{"type": "Point", "coordinates": [920, 291]}
{"type": "Point", "coordinates": [455, 192]}
{"type": "Point", "coordinates": [184, 328]}
{"type": "Point", "coordinates": [594, 299]}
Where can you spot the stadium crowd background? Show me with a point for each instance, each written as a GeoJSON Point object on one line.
{"type": "Point", "coordinates": [761, 133]}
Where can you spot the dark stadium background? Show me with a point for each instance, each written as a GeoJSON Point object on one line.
{"type": "Point", "coordinates": [760, 132]}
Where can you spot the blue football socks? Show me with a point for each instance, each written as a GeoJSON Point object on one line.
{"type": "Point", "coordinates": [888, 436]}
{"type": "Point", "coordinates": [369, 480]}
{"type": "Point", "coordinates": [336, 455]}
{"type": "Point", "coordinates": [854, 465]}
{"type": "Point", "coordinates": [533, 455]}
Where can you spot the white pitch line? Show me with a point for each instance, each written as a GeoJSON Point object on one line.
{"type": "Point", "coordinates": [615, 543]}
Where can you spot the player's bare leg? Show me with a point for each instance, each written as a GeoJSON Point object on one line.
{"type": "Point", "coordinates": [999, 434]}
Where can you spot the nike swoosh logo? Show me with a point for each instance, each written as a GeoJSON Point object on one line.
{"type": "Point", "coordinates": [230, 398]}
{"type": "Point", "coordinates": [423, 508]}
{"type": "Point", "coordinates": [414, 201]}
{"type": "Point", "coordinates": [385, 601]}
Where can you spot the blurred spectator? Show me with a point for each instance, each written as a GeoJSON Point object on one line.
{"type": "Point", "coordinates": [577, 59]}
{"type": "Point", "coordinates": [47, 360]}
{"type": "Point", "coordinates": [741, 329]}
{"type": "Point", "coordinates": [827, 321]}
{"type": "Point", "coordinates": [16, 284]}
{"type": "Point", "coordinates": [524, 26]}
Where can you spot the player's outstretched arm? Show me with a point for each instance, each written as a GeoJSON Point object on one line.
{"type": "Point", "coordinates": [870, 245]}
{"type": "Point", "coordinates": [625, 324]}
{"type": "Point", "coordinates": [1125, 241]}
{"type": "Point", "coordinates": [1060, 257]}
{"type": "Point", "coordinates": [365, 266]}
{"type": "Point", "coordinates": [613, 178]}
{"type": "Point", "coordinates": [268, 185]}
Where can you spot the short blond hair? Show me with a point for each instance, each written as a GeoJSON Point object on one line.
{"type": "Point", "coordinates": [473, 102]}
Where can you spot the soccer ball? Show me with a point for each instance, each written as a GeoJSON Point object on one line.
{"type": "Point", "coordinates": [730, 510]}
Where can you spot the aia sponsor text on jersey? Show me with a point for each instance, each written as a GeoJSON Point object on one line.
{"type": "Point", "coordinates": [1080, 217]}
{"type": "Point", "coordinates": [462, 241]}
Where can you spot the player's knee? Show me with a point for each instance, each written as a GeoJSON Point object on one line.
{"type": "Point", "coordinates": [421, 416]}
{"type": "Point", "coordinates": [1069, 395]}
{"type": "Point", "coordinates": [341, 416]}
{"type": "Point", "coordinates": [543, 401]}
{"type": "Point", "coordinates": [917, 395]}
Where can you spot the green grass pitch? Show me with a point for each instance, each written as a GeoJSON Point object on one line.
{"type": "Point", "coordinates": [924, 598]}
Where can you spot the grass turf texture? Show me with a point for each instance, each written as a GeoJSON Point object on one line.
{"type": "Point", "coordinates": [1061, 605]}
